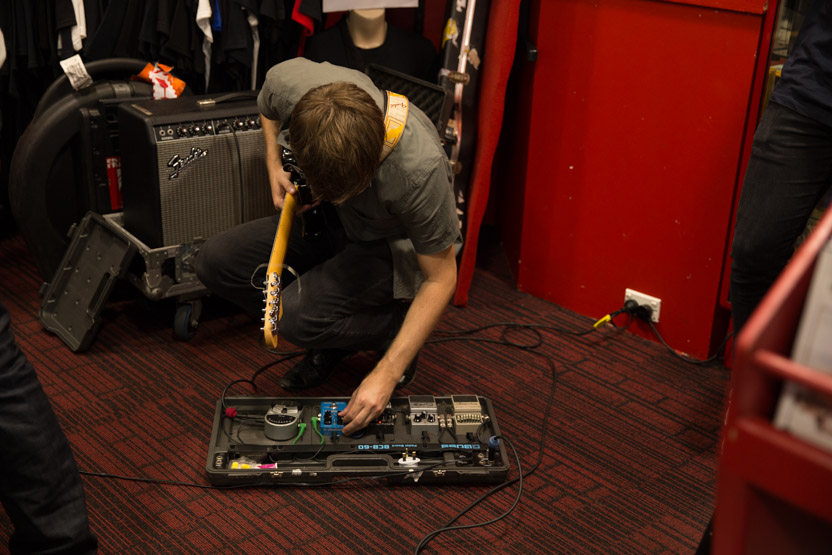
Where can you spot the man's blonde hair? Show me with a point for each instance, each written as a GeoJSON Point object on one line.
{"type": "Point", "coordinates": [336, 134]}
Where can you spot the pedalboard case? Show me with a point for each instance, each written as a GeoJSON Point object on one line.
{"type": "Point", "coordinates": [101, 252]}
{"type": "Point", "coordinates": [419, 439]}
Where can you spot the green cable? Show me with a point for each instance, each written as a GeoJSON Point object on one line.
{"type": "Point", "coordinates": [315, 422]}
{"type": "Point", "coordinates": [301, 429]}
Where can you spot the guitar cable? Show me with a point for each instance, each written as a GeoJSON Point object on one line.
{"type": "Point", "coordinates": [460, 335]}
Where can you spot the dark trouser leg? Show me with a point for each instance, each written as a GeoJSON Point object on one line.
{"type": "Point", "coordinates": [343, 300]}
{"type": "Point", "coordinates": [39, 483]}
{"type": "Point", "coordinates": [226, 263]}
{"type": "Point", "coordinates": [346, 302]}
{"type": "Point", "coordinates": [789, 171]}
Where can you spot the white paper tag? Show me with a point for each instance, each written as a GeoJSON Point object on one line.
{"type": "Point", "coordinates": [76, 72]}
{"type": "Point", "coordinates": [344, 5]}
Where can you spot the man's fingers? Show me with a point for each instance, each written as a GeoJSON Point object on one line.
{"type": "Point", "coordinates": [359, 422]}
{"type": "Point", "coordinates": [347, 410]}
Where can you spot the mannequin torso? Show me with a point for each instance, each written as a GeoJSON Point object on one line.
{"type": "Point", "coordinates": [363, 37]}
{"type": "Point", "coordinates": [368, 28]}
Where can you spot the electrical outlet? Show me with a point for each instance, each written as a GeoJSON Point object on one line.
{"type": "Point", "coordinates": [654, 303]}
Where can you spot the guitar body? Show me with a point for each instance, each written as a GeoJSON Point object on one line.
{"type": "Point", "coordinates": [273, 297]}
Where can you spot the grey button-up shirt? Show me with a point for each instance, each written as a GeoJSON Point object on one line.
{"type": "Point", "coordinates": [410, 202]}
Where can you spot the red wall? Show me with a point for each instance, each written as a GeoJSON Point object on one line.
{"type": "Point", "coordinates": [625, 139]}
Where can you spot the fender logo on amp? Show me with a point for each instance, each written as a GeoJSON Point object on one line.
{"type": "Point", "coordinates": [179, 164]}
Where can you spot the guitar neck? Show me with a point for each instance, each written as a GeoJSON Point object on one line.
{"type": "Point", "coordinates": [281, 236]}
{"type": "Point", "coordinates": [273, 298]}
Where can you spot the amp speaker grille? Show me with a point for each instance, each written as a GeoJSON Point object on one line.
{"type": "Point", "coordinates": [226, 186]}
{"type": "Point", "coordinates": [190, 173]}
{"type": "Point", "coordinates": [203, 200]}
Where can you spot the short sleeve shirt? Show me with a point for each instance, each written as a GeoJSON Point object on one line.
{"type": "Point", "coordinates": [410, 202]}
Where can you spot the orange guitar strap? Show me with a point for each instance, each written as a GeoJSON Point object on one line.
{"type": "Point", "coordinates": [395, 118]}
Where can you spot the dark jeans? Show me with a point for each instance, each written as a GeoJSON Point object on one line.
{"type": "Point", "coordinates": [39, 483]}
{"type": "Point", "coordinates": [789, 171]}
{"type": "Point", "coordinates": [342, 300]}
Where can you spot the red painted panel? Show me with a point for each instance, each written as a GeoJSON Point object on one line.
{"type": "Point", "coordinates": [756, 457]}
{"type": "Point", "coordinates": [750, 6]}
{"type": "Point", "coordinates": [637, 119]}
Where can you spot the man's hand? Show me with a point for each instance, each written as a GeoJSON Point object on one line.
{"type": "Point", "coordinates": [280, 185]}
{"type": "Point", "coordinates": [279, 180]}
{"type": "Point", "coordinates": [368, 401]}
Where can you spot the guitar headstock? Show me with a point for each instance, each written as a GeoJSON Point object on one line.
{"type": "Point", "coordinates": [272, 292]}
{"type": "Point", "coordinates": [273, 309]}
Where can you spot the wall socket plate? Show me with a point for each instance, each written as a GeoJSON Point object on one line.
{"type": "Point", "coordinates": [654, 303]}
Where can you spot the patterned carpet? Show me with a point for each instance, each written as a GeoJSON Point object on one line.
{"type": "Point", "coordinates": [628, 460]}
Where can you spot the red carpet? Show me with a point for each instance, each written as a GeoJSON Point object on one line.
{"type": "Point", "coordinates": [628, 462]}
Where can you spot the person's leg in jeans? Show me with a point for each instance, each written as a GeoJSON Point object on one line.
{"type": "Point", "coordinates": [40, 487]}
{"type": "Point", "coordinates": [346, 302]}
{"type": "Point", "coordinates": [342, 302]}
{"type": "Point", "coordinates": [343, 305]}
{"type": "Point", "coordinates": [789, 171]}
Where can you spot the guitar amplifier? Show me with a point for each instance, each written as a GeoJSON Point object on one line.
{"type": "Point", "coordinates": [192, 167]}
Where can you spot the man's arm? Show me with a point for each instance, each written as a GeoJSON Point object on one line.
{"type": "Point", "coordinates": [374, 392]}
{"type": "Point", "coordinates": [278, 179]}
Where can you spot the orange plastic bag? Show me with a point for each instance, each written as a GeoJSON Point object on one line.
{"type": "Point", "coordinates": [160, 77]}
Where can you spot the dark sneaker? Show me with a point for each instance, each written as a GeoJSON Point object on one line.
{"type": "Point", "coordinates": [315, 368]}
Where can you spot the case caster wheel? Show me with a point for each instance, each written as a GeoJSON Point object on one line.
{"type": "Point", "coordinates": [186, 321]}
